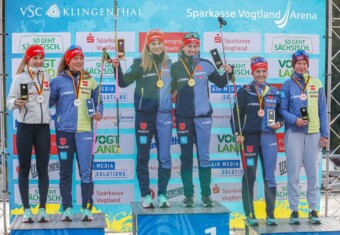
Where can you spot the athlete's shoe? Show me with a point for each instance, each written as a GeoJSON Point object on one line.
{"type": "Point", "coordinates": [252, 221]}
{"type": "Point", "coordinates": [294, 218]}
{"type": "Point", "coordinates": [68, 215]}
{"type": "Point", "coordinates": [207, 201]}
{"type": "Point", "coordinates": [148, 202]}
{"type": "Point", "coordinates": [313, 217]}
{"type": "Point", "coordinates": [27, 216]}
{"type": "Point", "coordinates": [188, 201]}
{"type": "Point", "coordinates": [42, 216]}
{"type": "Point", "coordinates": [271, 221]}
{"type": "Point", "coordinates": [86, 215]}
{"type": "Point", "coordinates": [163, 201]}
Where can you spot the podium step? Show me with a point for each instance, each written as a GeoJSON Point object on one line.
{"type": "Point", "coordinates": [56, 226]}
{"type": "Point", "coordinates": [180, 220]}
{"type": "Point", "coordinates": [327, 227]}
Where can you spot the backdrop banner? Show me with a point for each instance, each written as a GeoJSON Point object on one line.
{"type": "Point", "coordinates": [262, 28]}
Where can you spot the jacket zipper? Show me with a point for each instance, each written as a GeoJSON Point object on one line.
{"type": "Point", "coordinates": [41, 109]}
{"type": "Point", "coordinates": [140, 101]}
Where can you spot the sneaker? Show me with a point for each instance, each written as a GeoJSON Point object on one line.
{"type": "Point", "coordinates": [313, 217]}
{"type": "Point", "coordinates": [86, 215]}
{"type": "Point", "coordinates": [252, 221]}
{"type": "Point", "coordinates": [68, 215]}
{"type": "Point", "coordinates": [27, 216]}
{"type": "Point", "coordinates": [148, 202]}
{"type": "Point", "coordinates": [42, 216]}
{"type": "Point", "coordinates": [163, 201]}
{"type": "Point", "coordinates": [207, 201]}
{"type": "Point", "coordinates": [294, 218]}
{"type": "Point", "coordinates": [271, 221]}
{"type": "Point", "coordinates": [188, 201]}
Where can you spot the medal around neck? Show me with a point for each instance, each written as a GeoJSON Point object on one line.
{"type": "Point", "coordinates": [160, 83]}
{"type": "Point", "coordinates": [260, 113]}
{"type": "Point", "coordinates": [77, 102]}
{"type": "Point", "coordinates": [40, 99]}
{"type": "Point", "coordinates": [303, 97]}
{"type": "Point", "coordinates": [191, 82]}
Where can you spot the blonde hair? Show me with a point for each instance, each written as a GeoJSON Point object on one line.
{"type": "Point", "coordinates": [147, 60]}
{"type": "Point", "coordinates": [22, 65]}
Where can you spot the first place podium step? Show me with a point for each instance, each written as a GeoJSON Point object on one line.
{"type": "Point", "coordinates": [56, 227]}
{"type": "Point", "coordinates": [180, 220]}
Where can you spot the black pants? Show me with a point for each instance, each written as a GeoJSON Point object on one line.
{"type": "Point", "coordinates": [37, 135]}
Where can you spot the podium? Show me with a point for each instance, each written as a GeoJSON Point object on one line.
{"type": "Point", "coordinates": [327, 227]}
{"type": "Point", "coordinates": [56, 226]}
{"type": "Point", "coordinates": [180, 220]}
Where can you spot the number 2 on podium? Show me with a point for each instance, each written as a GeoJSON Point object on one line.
{"type": "Point", "coordinates": [211, 231]}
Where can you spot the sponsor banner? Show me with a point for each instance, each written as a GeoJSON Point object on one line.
{"type": "Point", "coordinates": [54, 150]}
{"type": "Point", "coordinates": [109, 119]}
{"type": "Point", "coordinates": [172, 41]}
{"type": "Point", "coordinates": [108, 194]}
{"type": "Point", "coordinates": [289, 43]}
{"type": "Point", "coordinates": [230, 192]}
{"type": "Point", "coordinates": [53, 169]}
{"type": "Point", "coordinates": [283, 68]}
{"type": "Point", "coordinates": [281, 168]}
{"type": "Point", "coordinates": [223, 143]}
{"type": "Point", "coordinates": [109, 93]}
{"type": "Point", "coordinates": [108, 144]}
{"type": "Point", "coordinates": [53, 196]}
{"type": "Point", "coordinates": [233, 42]}
{"type": "Point", "coordinates": [218, 95]}
{"type": "Point", "coordinates": [221, 168]}
{"type": "Point", "coordinates": [221, 118]}
{"type": "Point", "coordinates": [110, 170]}
{"type": "Point", "coordinates": [52, 42]}
{"type": "Point", "coordinates": [97, 41]}
{"type": "Point", "coordinates": [282, 190]}
{"type": "Point", "coordinates": [175, 168]}
{"type": "Point", "coordinates": [174, 148]}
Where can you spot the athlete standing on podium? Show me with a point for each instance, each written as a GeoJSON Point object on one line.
{"type": "Point", "coordinates": [304, 110]}
{"type": "Point", "coordinates": [153, 106]}
{"type": "Point", "coordinates": [191, 75]}
{"type": "Point", "coordinates": [33, 126]}
{"type": "Point", "coordinates": [256, 101]}
{"type": "Point", "coordinates": [69, 91]}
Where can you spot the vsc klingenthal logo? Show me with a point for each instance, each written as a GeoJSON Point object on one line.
{"type": "Point", "coordinates": [32, 11]}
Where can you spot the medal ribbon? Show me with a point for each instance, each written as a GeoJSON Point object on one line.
{"type": "Point", "coordinates": [75, 87]}
{"type": "Point", "coordinates": [159, 74]}
{"type": "Point", "coordinates": [260, 97]}
{"type": "Point", "coordinates": [40, 91]}
{"type": "Point", "coordinates": [191, 75]}
{"type": "Point", "coordinates": [297, 83]}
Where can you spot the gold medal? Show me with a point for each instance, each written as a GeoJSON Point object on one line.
{"type": "Point", "coordinates": [260, 113]}
{"type": "Point", "coordinates": [160, 84]}
{"type": "Point", "coordinates": [191, 82]}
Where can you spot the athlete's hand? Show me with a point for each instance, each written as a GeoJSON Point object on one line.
{"type": "Point", "coordinates": [276, 126]}
{"type": "Point", "coordinates": [20, 103]}
{"type": "Point", "coordinates": [323, 142]}
{"type": "Point", "coordinates": [239, 139]}
{"type": "Point", "coordinates": [97, 116]}
{"type": "Point", "coordinates": [227, 68]}
{"type": "Point", "coordinates": [301, 123]}
{"type": "Point", "coordinates": [115, 62]}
